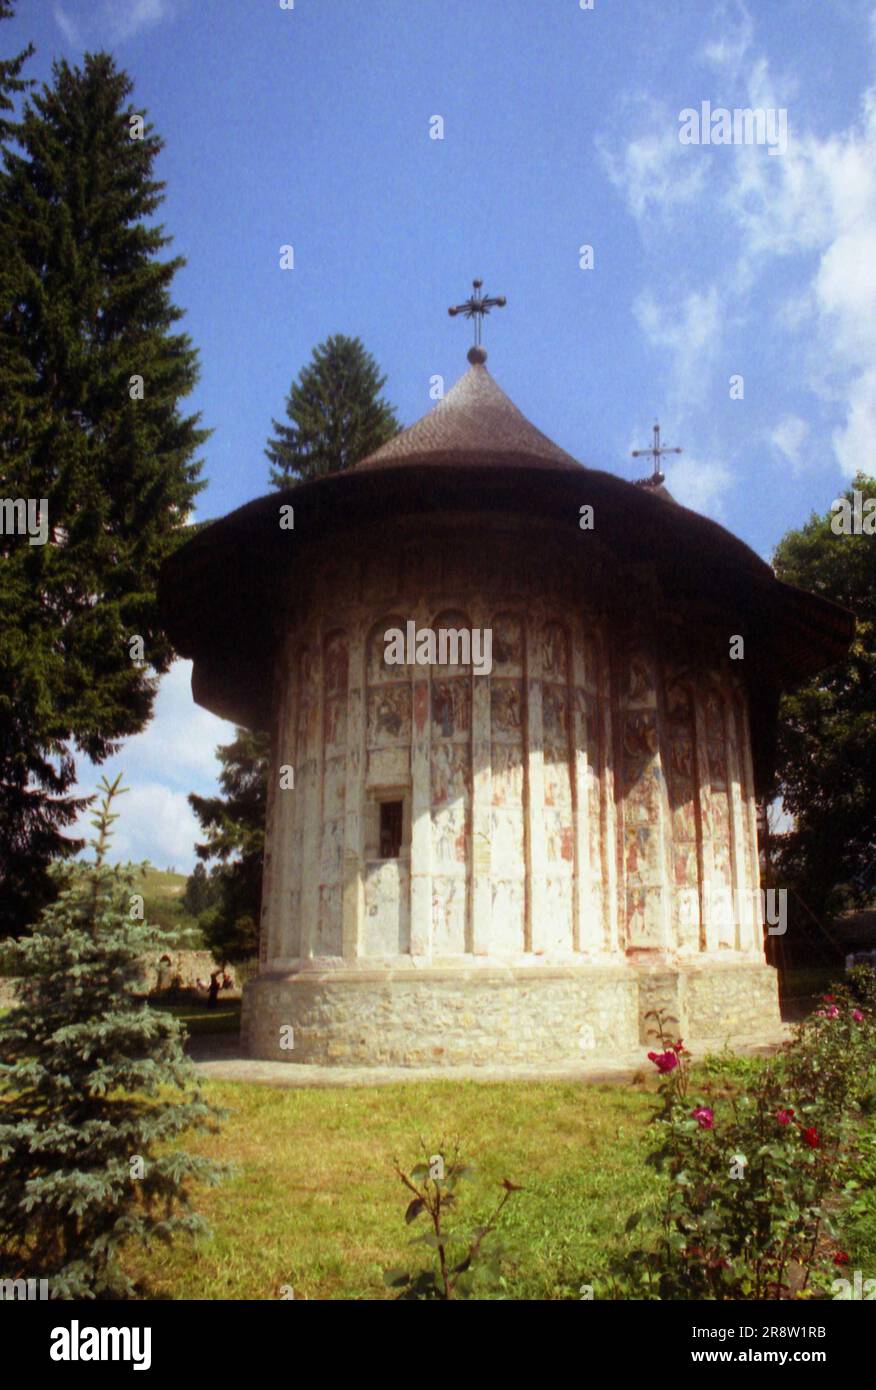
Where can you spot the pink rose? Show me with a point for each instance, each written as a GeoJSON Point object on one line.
{"type": "Point", "coordinates": [704, 1117]}
{"type": "Point", "coordinates": [663, 1061]}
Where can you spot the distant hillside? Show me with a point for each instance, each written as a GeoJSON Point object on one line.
{"type": "Point", "coordinates": [162, 891]}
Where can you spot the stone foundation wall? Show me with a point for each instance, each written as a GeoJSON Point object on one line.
{"type": "Point", "coordinates": [714, 999]}
{"type": "Point", "coordinates": [442, 1017]}
{"type": "Point", "coordinates": [731, 999]}
{"type": "Point", "coordinates": [513, 1016]}
{"type": "Point", "coordinates": [190, 966]}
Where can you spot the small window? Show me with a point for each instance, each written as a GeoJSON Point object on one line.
{"type": "Point", "coordinates": [390, 829]}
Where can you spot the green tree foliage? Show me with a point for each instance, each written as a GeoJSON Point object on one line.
{"type": "Point", "coordinates": [85, 314]}
{"type": "Point", "coordinates": [234, 826]}
{"type": "Point", "coordinates": [11, 81]}
{"type": "Point", "coordinates": [337, 418]}
{"type": "Point", "coordinates": [91, 1081]}
{"type": "Point", "coordinates": [199, 892]}
{"type": "Point", "coordinates": [827, 736]}
{"type": "Point", "coordinates": [336, 411]}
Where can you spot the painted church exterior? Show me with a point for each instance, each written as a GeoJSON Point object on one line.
{"type": "Point", "coordinates": [512, 865]}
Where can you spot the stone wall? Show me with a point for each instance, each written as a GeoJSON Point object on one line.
{"type": "Point", "coordinates": [191, 966]}
{"type": "Point", "coordinates": [488, 1016]}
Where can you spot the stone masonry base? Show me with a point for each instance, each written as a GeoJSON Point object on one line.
{"type": "Point", "coordinates": [463, 1016]}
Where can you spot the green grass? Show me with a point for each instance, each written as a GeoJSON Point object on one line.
{"type": "Point", "coordinates": [315, 1202]}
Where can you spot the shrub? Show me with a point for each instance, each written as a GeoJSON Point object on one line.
{"type": "Point", "coordinates": [751, 1177]}
{"type": "Point", "coordinates": [87, 1105]}
{"type": "Point", "coordinates": [466, 1259]}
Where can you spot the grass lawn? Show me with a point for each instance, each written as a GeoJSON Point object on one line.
{"type": "Point", "coordinates": [314, 1202]}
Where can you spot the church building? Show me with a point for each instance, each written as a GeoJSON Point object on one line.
{"type": "Point", "coordinates": [508, 845]}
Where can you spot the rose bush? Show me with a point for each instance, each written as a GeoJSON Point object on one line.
{"type": "Point", "coordinates": [754, 1177]}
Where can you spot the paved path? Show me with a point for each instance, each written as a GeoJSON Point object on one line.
{"type": "Point", "coordinates": [221, 1058]}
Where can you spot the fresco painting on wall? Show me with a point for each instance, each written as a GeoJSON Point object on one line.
{"type": "Point", "coordinates": [556, 933]}
{"type": "Point", "coordinates": [451, 707]}
{"type": "Point", "coordinates": [554, 653]}
{"type": "Point", "coordinates": [507, 645]}
{"type": "Point", "coordinates": [642, 787]}
{"type": "Point", "coordinates": [507, 774]}
{"type": "Point", "coordinates": [557, 811]}
{"type": "Point", "coordinates": [329, 929]}
{"type": "Point", "coordinates": [335, 672]}
{"type": "Point", "coordinates": [683, 795]}
{"type": "Point", "coordinates": [386, 920]}
{"type": "Point", "coordinates": [389, 715]}
{"type": "Point", "coordinates": [506, 705]}
{"type": "Point", "coordinates": [377, 668]}
{"type": "Point", "coordinates": [507, 819]}
{"type": "Point", "coordinates": [449, 903]}
{"type": "Point", "coordinates": [640, 689]}
{"type": "Point", "coordinates": [509, 914]}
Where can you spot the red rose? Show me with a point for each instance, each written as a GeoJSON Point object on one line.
{"type": "Point", "coordinates": [841, 1258]}
{"type": "Point", "coordinates": [810, 1137]}
{"type": "Point", "coordinates": [663, 1061]}
{"type": "Point", "coordinates": [704, 1116]}
{"type": "Point", "coordinates": [784, 1117]}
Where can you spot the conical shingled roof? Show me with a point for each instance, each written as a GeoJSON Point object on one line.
{"type": "Point", "coordinates": [475, 423]}
{"type": "Point", "coordinates": [475, 452]}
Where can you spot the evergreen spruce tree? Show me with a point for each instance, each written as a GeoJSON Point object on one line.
{"type": "Point", "coordinates": [337, 413]}
{"type": "Point", "coordinates": [11, 81]}
{"type": "Point", "coordinates": [234, 825]}
{"type": "Point", "coordinates": [88, 1073]}
{"type": "Point", "coordinates": [92, 372]}
{"type": "Point", "coordinates": [338, 416]}
{"type": "Point", "coordinates": [827, 727]}
{"type": "Point", "coordinates": [199, 892]}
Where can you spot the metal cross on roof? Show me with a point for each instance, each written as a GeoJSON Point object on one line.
{"type": "Point", "coordinates": [477, 306]}
{"type": "Point", "coordinates": [656, 452]}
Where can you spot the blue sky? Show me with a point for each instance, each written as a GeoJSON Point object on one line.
{"type": "Point", "coordinates": [310, 127]}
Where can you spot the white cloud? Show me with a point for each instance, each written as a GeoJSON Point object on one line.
{"type": "Point", "coordinates": [128, 17]}
{"type": "Point", "coordinates": [789, 436]}
{"type": "Point", "coordinates": [67, 27]}
{"type": "Point", "coordinates": [112, 21]}
{"type": "Point", "coordinates": [654, 171]}
{"type": "Point", "coordinates": [853, 441]}
{"type": "Point", "coordinates": [825, 203]}
{"type": "Point", "coordinates": [689, 334]}
{"type": "Point", "coordinates": [699, 484]}
{"type": "Point", "coordinates": [181, 739]}
{"type": "Point", "coordinates": [157, 824]}
{"type": "Point", "coordinates": [727, 52]}
{"type": "Point", "coordinates": [814, 206]}
{"type": "Point", "coordinates": [175, 754]}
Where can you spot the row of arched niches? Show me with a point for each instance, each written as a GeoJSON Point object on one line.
{"type": "Point", "coordinates": [584, 797]}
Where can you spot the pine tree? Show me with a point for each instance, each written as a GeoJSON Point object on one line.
{"type": "Point", "coordinates": [827, 727]}
{"type": "Point", "coordinates": [199, 892]}
{"type": "Point", "coordinates": [234, 825]}
{"type": "Point", "coordinates": [92, 372]}
{"type": "Point", "coordinates": [11, 81]}
{"type": "Point", "coordinates": [88, 1073]}
{"type": "Point", "coordinates": [337, 413]}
